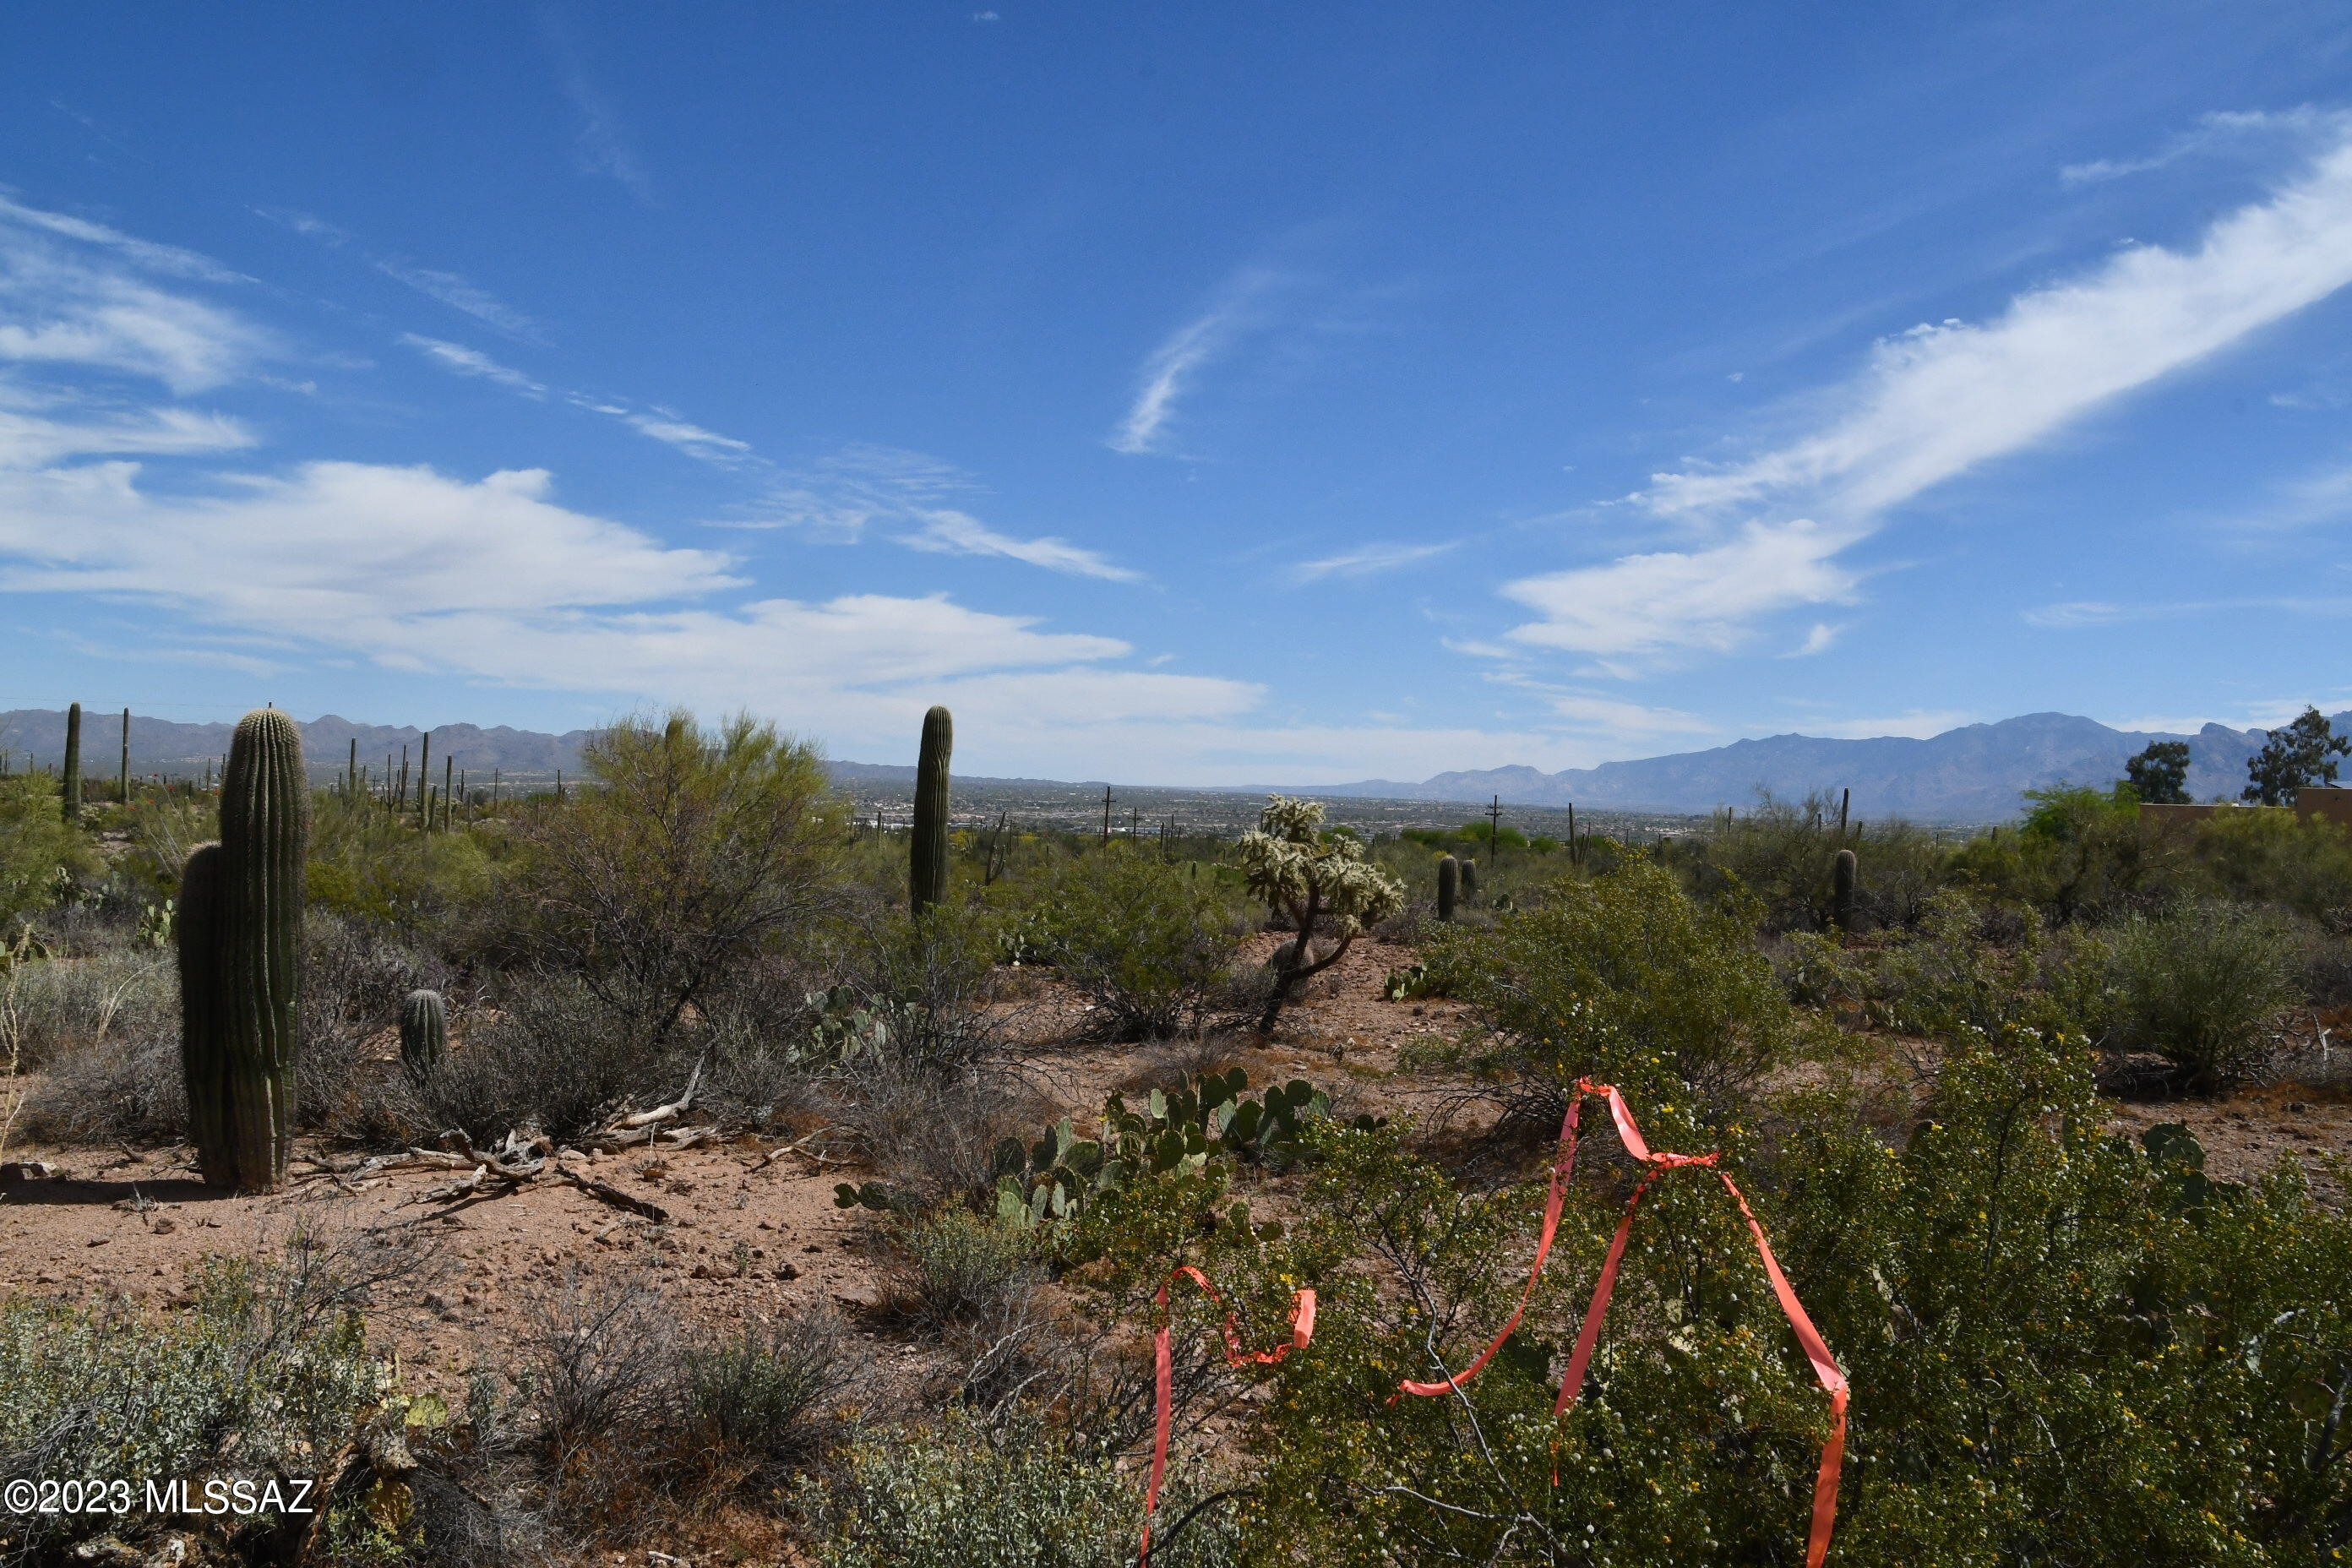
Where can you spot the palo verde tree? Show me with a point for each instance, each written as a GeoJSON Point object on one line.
{"type": "Point", "coordinates": [2300, 754]}
{"type": "Point", "coordinates": [1319, 880]}
{"type": "Point", "coordinates": [2159, 775]}
{"type": "Point", "coordinates": [690, 852]}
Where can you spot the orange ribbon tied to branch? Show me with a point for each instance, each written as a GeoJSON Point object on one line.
{"type": "Point", "coordinates": [1302, 1328]}
{"type": "Point", "coordinates": [1817, 1352]}
{"type": "Point", "coordinates": [1809, 1338]}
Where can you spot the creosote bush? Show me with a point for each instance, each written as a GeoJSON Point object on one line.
{"type": "Point", "coordinates": [2202, 986]}
{"type": "Point", "coordinates": [1625, 979]}
{"type": "Point", "coordinates": [1147, 945]}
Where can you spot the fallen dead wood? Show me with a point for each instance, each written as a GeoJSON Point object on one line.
{"type": "Point", "coordinates": [607, 1192]}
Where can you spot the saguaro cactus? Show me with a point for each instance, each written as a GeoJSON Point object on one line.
{"type": "Point", "coordinates": [927, 861]}
{"type": "Point", "coordinates": [1469, 878]}
{"type": "Point", "coordinates": [124, 777]}
{"type": "Point", "coordinates": [73, 764]}
{"type": "Point", "coordinates": [1841, 880]}
{"type": "Point", "coordinates": [241, 959]}
{"type": "Point", "coordinates": [1449, 886]}
{"type": "Point", "coordinates": [424, 1031]}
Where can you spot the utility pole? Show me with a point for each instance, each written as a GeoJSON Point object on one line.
{"type": "Point", "coordinates": [126, 756]}
{"type": "Point", "coordinates": [1106, 839]}
{"type": "Point", "coordinates": [1494, 831]}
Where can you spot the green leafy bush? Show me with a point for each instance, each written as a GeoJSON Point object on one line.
{"type": "Point", "coordinates": [41, 856]}
{"type": "Point", "coordinates": [1625, 979]}
{"type": "Point", "coordinates": [960, 1495]}
{"type": "Point", "coordinates": [960, 1265]}
{"type": "Point", "coordinates": [1149, 947]}
{"type": "Point", "coordinates": [2202, 986]}
{"type": "Point", "coordinates": [259, 1381]}
{"type": "Point", "coordinates": [2062, 1349]}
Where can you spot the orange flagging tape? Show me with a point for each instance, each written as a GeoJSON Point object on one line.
{"type": "Point", "coordinates": [1809, 1338]}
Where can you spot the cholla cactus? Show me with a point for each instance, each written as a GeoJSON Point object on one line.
{"type": "Point", "coordinates": [1319, 880]}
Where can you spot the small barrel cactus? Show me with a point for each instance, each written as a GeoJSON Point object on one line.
{"type": "Point", "coordinates": [1469, 878]}
{"type": "Point", "coordinates": [927, 861]}
{"type": "Point", "coordinates": [1841, 883]}
{"type": "Point", "coordinates": [424, 1032]}
{"type": "Point", "coordinates": [240, 917]}
{"type": "Point", "coordinates": [1449, 886]}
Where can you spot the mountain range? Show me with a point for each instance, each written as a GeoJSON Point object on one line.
{"type": "Point", "coordinates": [1978, 772]}
{"type": "Point", "coordinates": [1974, 773]}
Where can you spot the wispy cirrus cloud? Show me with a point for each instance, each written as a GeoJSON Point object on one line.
{"type": "Point", "coordinates": [604, 145]}
{"type": "Point", "coordinates": [1171, 368]}
{"type": "Point", "coordinates": [912, 498]}
{"type": "Point", "coordinates": [460, 293]}
{"type": "Point", "coordinates": [474, 363]}
{"type": "Point", "coordinates": [1935, 403]}
{"type": "Point", "coordinates": [2213, 133]}
{"type": "Point", "coordinates": [1368, 561]}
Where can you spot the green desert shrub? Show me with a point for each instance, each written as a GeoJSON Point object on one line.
{"type": "Point", "coordinates": [1623, 979]}
{"type": "Point", "coordinates": [2064, 1348]}
{"type": "Point", "coordinates": [1782, 854]}
{"type": "Point", "coordinates": [260, 1380]}
{"type": "Point", "coordinates": [959, 1267]}
{"type": "Point", "coordinates": [1974, 968]}
{"type": "Point", "coordinates": [41, 856]}
{"type": "Point", "coordinates": [2277, 857]}
{"type": "Point", "coordinates": [959, 1494]}
{"type": "Point", "coordinates": [1147, 945]}
{"type": "Point", "coordinates": [763, 1394]}
{"type": "Point", "coordinates": [2202, 986]}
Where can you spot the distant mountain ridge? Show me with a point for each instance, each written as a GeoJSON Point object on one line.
{"type": "Point", "coordinates": [1974, 774]}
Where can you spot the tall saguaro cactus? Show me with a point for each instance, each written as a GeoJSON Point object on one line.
{"type": "Point", "coordinates": [424, 1031]}
{"type": "Point", "coordinates": [124, 779]}
{"type": "Point", "coordinates": [1842, 884]}
{"type": "Point", "coordinates": [1449, 886]}
{"type": "Point", "coordinates": [927, 861]}
{"type": "Point", "coordinates": [73, 764]}
{"type": "Point", "coordinates": [240, 923]}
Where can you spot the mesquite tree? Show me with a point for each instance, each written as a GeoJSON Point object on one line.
{"type": "Point", "coordinates": [1319, 879]}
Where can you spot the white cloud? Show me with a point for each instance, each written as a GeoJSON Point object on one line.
{"type": "Point", "coordinates": [62, 305]}
{"type": "Point", "coordinates": [461, 294]}
{"type": "Point", "coordinates": [1939, 400]}
{"type": "Point", "coordinates": [473, 362]}
{"type": "Point", "coordinates": [604, 144]}
{"type": "Point", "coordinates": [38, 429]}
{"type": "Point", "coordinates": [1169, 371]}
{"type": "Point", "coordinates": [1644, 606]}
{"type": "Point", "coordinates": [1616, 716]}
{"type": "Point", "coordinates": [665, 427]}
{"type": "Point", "coordinates": [2211, 133]}
{"type": "Point", "coordinates": [960, 534]}
{"type": "Point", "coordinates": [906, 494]}
{"type": "Point", "coordinates": [1367, 560]}
{"type": "Point", "coordinates": [146, 253]}
{"type": "Point", "coordinates": [1820, 639]}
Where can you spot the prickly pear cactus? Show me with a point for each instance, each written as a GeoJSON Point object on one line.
{"type": "Point", "coordinates": [424, 1032]}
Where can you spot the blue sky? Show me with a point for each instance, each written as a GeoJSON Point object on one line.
{"type": "Point", "coordinates": [1203, 393]}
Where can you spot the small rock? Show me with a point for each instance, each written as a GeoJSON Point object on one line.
{"type": "Point", "coordinates": [46, 1277]}
{"type": "Point", "coordinates": [812, 1247]}
{"type": "Point", "coordinates": [788, 1271]}
{"type": "Point", "coordinates": [164, 1227]}
{"type": "Point", "coordinates": [26, 1171]}
{"type": "Point", "coordinates": [100, 1240]}
{"type": "Point", "coordinates": [858, 1297]}
{"type": "Point", "coordinates": [435, 1301]}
